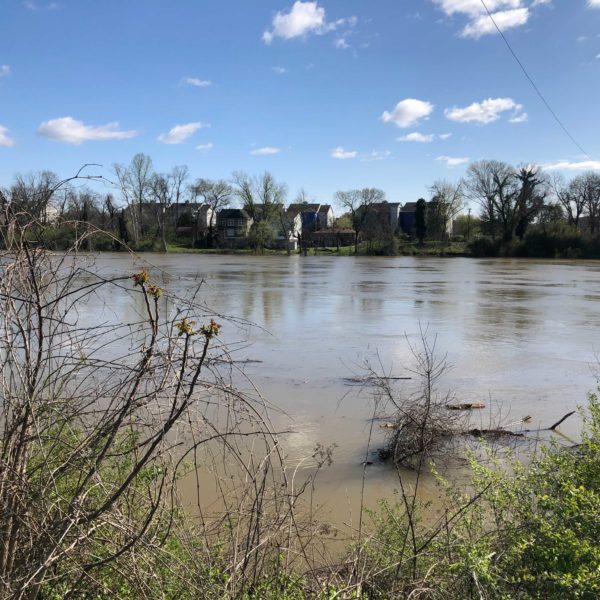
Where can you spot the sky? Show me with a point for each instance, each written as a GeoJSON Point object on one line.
{"type": "Point", "coordinates": [326, 95]}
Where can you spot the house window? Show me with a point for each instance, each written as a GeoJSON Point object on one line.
{"type": "Point", "coordinates": [231, 232]}
{"type": "Point", "coordinates": [230, 222]}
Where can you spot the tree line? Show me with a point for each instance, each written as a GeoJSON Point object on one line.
{"type": "Point", "coordinates": [519, 209]}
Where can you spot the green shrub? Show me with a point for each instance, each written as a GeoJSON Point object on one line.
{"type": "Point", "coordinates": [484, 246]}
{"type": "Point", "coordinates": [525, 532]}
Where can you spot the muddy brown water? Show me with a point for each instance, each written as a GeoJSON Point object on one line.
{"type": "Point", "coordinates": [521, 335]}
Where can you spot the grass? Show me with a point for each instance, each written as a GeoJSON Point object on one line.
{"type": "Point", "coordinates": [404, 249]}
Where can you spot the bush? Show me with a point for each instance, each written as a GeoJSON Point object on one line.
{"type": "Point", "coordinates": [555, 240]}
{"type": "Point", "coordinates": [484, 246]}
{"type": "Point", "coordinates": [524, 532]}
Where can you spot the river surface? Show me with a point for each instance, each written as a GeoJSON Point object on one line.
{"type": "Point", "coordinates": [521, 337]}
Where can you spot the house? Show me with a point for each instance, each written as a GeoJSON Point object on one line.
{"type": "Point", "coordinates": [188, 214]}
{"type": "Point", "coordinates": [314, 216]}
{"type": "Point", "coordinates": [435, 225]}
{"type": "Point", "coordinates": [50, 214]}
{"type": "Point", "coordinates": [325, 216]}
{"type": "Point", "coordinates": [386, 213]}
{"type": "Point", "coordinates": [408, 218]}
{"type": "Point", "coordinates": [193, 219]}
{"type": "Point", "coordinates": [233, 226]}
{"type": "Point", "coordinates": [290, 229]}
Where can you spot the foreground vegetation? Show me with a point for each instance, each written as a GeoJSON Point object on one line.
{"type": "Point", "coordinates": [523, 532]}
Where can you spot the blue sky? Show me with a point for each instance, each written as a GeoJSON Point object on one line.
{"type": "Point", "coordinates": [326, 95]}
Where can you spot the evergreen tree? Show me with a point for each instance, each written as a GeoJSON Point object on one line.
{"type": "Point", "coordinates": [420, 220]}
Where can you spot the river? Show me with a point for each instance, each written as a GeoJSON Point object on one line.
{"type": "Point", "coordinates": [521, 336]}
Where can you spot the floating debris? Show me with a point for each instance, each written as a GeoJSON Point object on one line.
{"type": "Point", "coordinates": [372, 380]}
{"type": "Point", "coordinates": [465, 406]}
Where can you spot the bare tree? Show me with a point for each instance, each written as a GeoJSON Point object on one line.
{"type": "Point", "coordinates": [572, 202]}
{"type": "Point", "coordinates": [591, 184]}
{"type": "Point", "coordinates": [509, 198]}
{"type": "Point", "coordinates": [580, 197]}
{"type": "Point", "coordinates": [135, 185]}
{"type": "Point", "coordinates": [31, 194]}
{"type": "Point", "coordinates": [216, 194]}
{"type": "Point", "coordinates": [263, 199]}
{"type": "Point", "coordinates": [446, 203]}
{"type": "Point", "coordinates": [162, 193]}
{"type": "Point", "coordinates": [179, 176]}
{"type": "Point", "coordinates": [359, 204]}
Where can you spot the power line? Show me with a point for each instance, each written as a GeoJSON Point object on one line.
{"type": "Point", "coordinates": [532, 82]}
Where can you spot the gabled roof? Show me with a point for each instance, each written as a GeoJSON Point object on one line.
{"type": "Point", "coordinates": [304, 207]}
{"type": "Point", "coordinates": [325, 208]}
{"type": "Point", "coordinates": [409, 207]}
{"type": "Point", "coordinates": [384, 205]}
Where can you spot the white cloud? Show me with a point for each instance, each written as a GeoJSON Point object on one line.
{"type": "Point", "coordinates": [341, 44]}
{"type": "Point", "coordinates": [196, 82]}
{"type": "Point", "coordinates": [303, 19]}
{"type": "Point", "coordinates": [597, 55]}
{"type": "Point", "coordinates": [506, 19]}
{"type": "Point", "coordinates": [72, 131]}
{"type": "Point", "coordinates": [422, 137]}
{"type": "Point", "coordinates": [342, 154]}
{"type": "Point", "coordinates": [482, 112]}
{"type": "Point", "coordinates": [266, 151]}
{"type": "Point", "coordinates": [204, 148]}
{"type": "Point", "coordinates": [417, 137]}
{"type": "Point", "coordinates": [520, 118]}
{"type": "Point", "coordinates": [5, 139]}
{"type": "Point", "coordinates": [180, 133]}
{"type": "Point", "coordinates": [582, 38]}
{"type": "Point", "coordinates": [506, 13]}
{"type": "Point", "coordinates": [376, 155]}
{"type": "Point", "coordinates": [452, 161]}
{"type": "Point", "coordinates": [594, 3]}
{"type": "Point", "coordinates": [474, 7]}
{"type": "Point", "coordinates": [566, 165]}
{"type": "Point", "coordinates": [31, 5]}
{"type": "Point", "coordinates": [280, 70]}
{"type": "Point", "coordinates": [4, 70]}
{"type": "Point", "coordinates": [408, 112]}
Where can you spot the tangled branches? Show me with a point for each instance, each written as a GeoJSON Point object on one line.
{"type": "Point", "coordinates": [94, 437]}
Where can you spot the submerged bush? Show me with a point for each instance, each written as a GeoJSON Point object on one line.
{"type": "Point", "coordinates": [525, 532]}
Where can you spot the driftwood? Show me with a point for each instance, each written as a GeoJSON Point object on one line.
{"type": "Point", "coordinates": [507, 432]}
{"type": "Point", "coordinates": [373, 380]}
{"type": "Point", "coordinates": [465, 406]}
{"type": "Point", "coordinates": [494, 433]}
{"type": "Point", "coordinates": [561, 420]}
{"type": "Point", "coordinates": [497, 432]}
{"type": "Point", "coordinates": [245, 361]}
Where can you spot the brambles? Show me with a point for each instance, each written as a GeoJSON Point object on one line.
{"type": "Point", "coordinates": [92, 448]}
